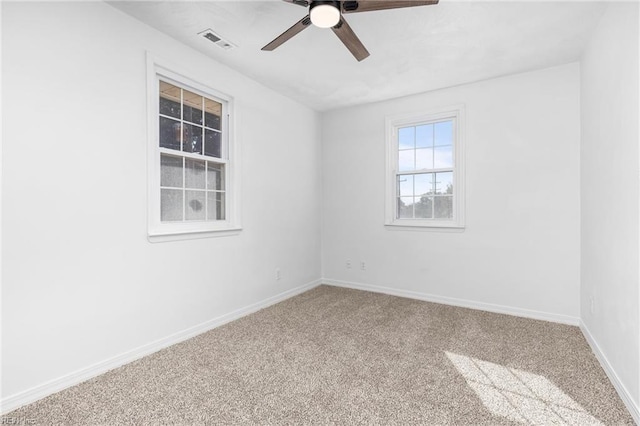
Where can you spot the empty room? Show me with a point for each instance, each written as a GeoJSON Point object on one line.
{"type": "Point", "coordinates": [320, 212]}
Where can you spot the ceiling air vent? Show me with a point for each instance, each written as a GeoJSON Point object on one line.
{"type": "Point", "coordinates": [216, 39]}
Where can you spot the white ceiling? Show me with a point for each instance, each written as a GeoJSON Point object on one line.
{"type": "Point", "coordinates": [412, 50]}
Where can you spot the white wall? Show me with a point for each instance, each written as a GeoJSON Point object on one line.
{"type": "Point", "coordinates": [81, 283]}
{"type": "Point", "coordinates": [520, 248]}
{"type": "Point", "coordinates": [610, 192]}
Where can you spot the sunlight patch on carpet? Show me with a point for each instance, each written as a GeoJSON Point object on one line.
{"type": "Point", "coordinates": [519, 395]}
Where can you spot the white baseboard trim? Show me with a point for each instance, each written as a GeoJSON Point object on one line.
{"type": "Point", "coordinates": [631, 405]}
{"type": "Point", "coordinates": [28, 396]}
{"type": "Point", "coordinates": [500, 309]}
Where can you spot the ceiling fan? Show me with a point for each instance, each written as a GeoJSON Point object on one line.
{"type": "Point", "coordinates": [328, 14]}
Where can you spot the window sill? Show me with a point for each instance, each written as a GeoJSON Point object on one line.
{"type": "Point", "coordinates": [424, 226]}
{"type": "Point", "coordinates": [161, 237]}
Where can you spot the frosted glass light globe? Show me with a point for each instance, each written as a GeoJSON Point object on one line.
{"type": "Point", "coordinates": [325, 16]}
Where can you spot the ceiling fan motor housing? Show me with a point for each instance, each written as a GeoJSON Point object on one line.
{"type": "Point", "coordinates": [324, 14]}
{"type": "Point", "coordinates": [315, 3]}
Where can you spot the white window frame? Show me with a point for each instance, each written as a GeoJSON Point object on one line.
{"type": "Point", "coordinates": [392, 124]}
{"type": "Point", "coordinates": [158, 231]}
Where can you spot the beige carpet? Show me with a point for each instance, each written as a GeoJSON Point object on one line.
{"type": "Point", "coordinates": [336, 356]}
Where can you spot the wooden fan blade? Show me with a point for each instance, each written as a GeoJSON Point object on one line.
{"type": "Point", "coordinates": [295, 29]}
{"type": "Point", "coordinates": [370, 5]}
{"type": "Point", "coordinates": [350, 39]}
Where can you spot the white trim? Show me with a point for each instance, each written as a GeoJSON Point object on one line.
{"type": "Point", "coordinates": [419, 226]}
{"type": "Point", "coordinates": [624, 394]}
{"type": "Point", "coordinates": [464, 303]}
{"type": "Point", "coordinates": [392, 123]}
{"type": "Point", "coordinates": [192, 235]}
{"type": "Point", "coordinates": [12, 402]}
{"type": "Point", "coordinates": [157, 231]}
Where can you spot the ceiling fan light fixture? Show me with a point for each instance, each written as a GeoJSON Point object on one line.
{"type": "Point", "coordinates": [325, 14]}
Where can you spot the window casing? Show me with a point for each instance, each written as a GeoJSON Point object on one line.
{"type": "Point", "coordinates": [192, 158]}
{"type": "Point", "coordinates": [425, 169]}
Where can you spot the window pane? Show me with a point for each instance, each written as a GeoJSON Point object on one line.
{"type": "Point", "coordinates": [192, 107]}
{"type": "Point", "coordinates": [443, 157]}
{"type": "Point", "coordinates": [220, 205]}
{"type": "Point", "coordinates": [444, 207]}
{"type": "Point", "coordinates": [192, 138]}
{"type": "Point", "coordinates": [192, 114]}
{"type": "Point", "coordinates": [169, 100]}
{"type": "Point", "coordinates": [170, 205]}
{"type": "Point", "coordinates": [215, 205]}
{"type": "Point", "coordinates": [212, 114]}
{"type": "Point", "coordinates": [424, 184]}
{"type": "Point", "coordinates": [406, 160]}
{"type": "Point", "coordinates": [194, 173]}
{"type": "Point", "coordinates": [215, 176]}
{"type": "Point", "coordinates": [170, 171]}
{"type": "Point", "coordinates": [444, 183]}
{"type": "Point", "coordinates": [424, 208]}
{"type": "Point", "coordinates": [168, 107]}
{"type": "Point", "coordinates": [195, 208]}
{"type": "Point", "coordinates": [212, 143]}
{"type": "Point", "coordinates": [444, 133]}
{"type": "Point", "coordinates": [424, 158]}
{"type": "Point", "coordinates": [169, 133]}
{"type": "Point", "coordinates": [405, 207]}
{"type": "Point", "coordinates": [406, 138]}
{"type": "Point", "coordinates": [424, 136]}
{"type": "Point", "coordinates": [405, 185]}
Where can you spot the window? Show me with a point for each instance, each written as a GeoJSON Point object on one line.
{"type": "Point", "coordinates": [425, 181]}
{"type": "Point", "coordinates": [191, 161]}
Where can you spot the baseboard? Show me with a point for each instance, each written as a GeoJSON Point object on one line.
{"type": "Point", "coordinates": [624, 394]}
{"type": "Point", "coordinates": [38, 392]}
{"type": "Point", "coordinates": [500, 309]}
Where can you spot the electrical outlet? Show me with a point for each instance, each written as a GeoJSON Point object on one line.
{"type": "Point", "coordinates": [348, 263]}
{"type": "Point", "coordinates": [278, 274]}
{"type": "Point", "coordinates": [363, 265]}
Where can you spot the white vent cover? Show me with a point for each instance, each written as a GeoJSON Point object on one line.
{"type": "Point", "coordinates": [216, 39]}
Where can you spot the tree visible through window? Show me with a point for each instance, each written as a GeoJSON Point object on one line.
{"type": "Point", "coordinates": [424, 170]}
